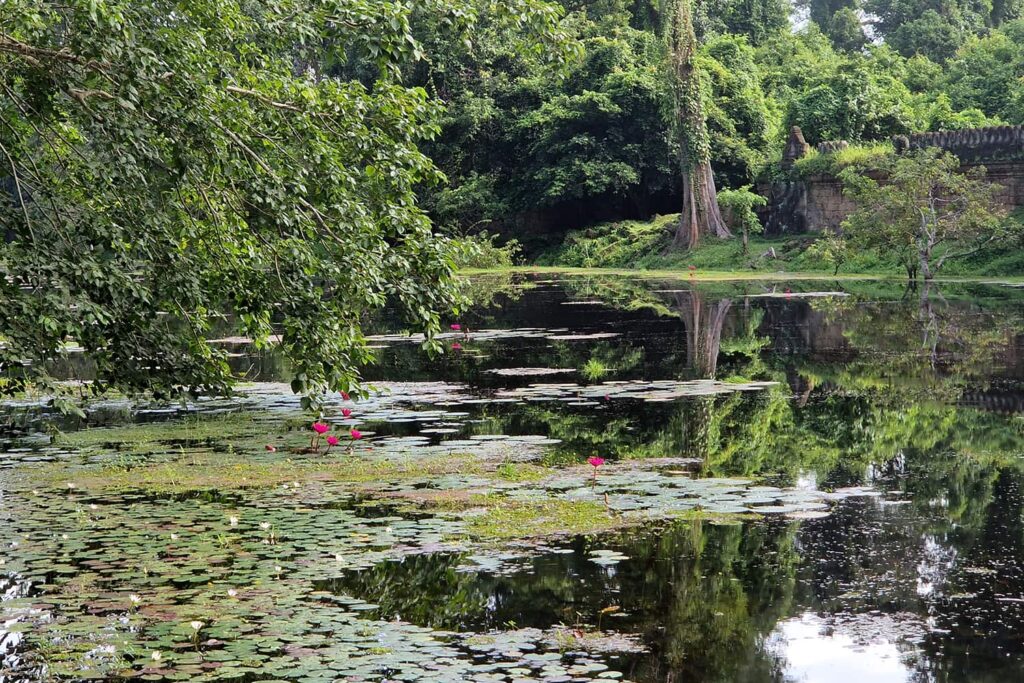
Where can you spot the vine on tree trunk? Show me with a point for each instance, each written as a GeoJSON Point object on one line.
{"type": "Point", "coordinates": [700, 214]}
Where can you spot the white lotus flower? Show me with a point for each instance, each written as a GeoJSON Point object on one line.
{"type": "Point", "coordinates": [156, 656]}
{"type": "Point", "coordinates": [233, 520]}
{"type": "Point", "coordinates": [197, 625]}
{"type": "Point", "coordinates": [232, 593]}
{"type": "Point", "coordinates": [136, 599]}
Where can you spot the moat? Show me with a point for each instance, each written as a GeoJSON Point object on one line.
{"type": "Point", "coordinates": [802, 481]}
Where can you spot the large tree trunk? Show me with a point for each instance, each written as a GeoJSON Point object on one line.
{"type": "Point", "coordinates": [700, 215]}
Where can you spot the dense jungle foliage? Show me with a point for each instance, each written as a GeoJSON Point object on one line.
{"type": "Point", "coordinates": [289, 166]}
{"type": "Point", "coordinates": [532, 151]}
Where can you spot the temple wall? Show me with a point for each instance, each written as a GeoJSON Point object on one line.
{"type": "Point", "coordinates": [817, 203]}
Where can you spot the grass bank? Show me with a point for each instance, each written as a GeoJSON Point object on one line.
{"type": "Point", "coordinates": [643, 245]}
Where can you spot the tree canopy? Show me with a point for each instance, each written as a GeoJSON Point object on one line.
{"type": "Point", "coordinates": [924, 209]}
{"type": "Point", "coordinates": [172, 164]}
{"type": "Point", "coordinates": [175, 172]}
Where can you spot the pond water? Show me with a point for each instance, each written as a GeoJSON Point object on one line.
{"type": "Point", "coordinates": [804, 481]}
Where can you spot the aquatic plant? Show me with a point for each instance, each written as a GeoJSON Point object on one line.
{"type": "Point", "coordinates": [594, 369]}
{"type": "Point", "coordinates": [319, 429]}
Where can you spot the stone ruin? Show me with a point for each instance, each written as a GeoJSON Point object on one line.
{"type": "Point", "coordinates": [832, 147]}
{"type": "Point", "coordinates": [972, 146]}
{"type": "Point", "coordinates": [796, 148]}
{"type": "Point", "coordinates": [797, 205]}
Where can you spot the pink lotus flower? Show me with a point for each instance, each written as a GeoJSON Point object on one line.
{"type": "Point", "coordinates": [271, 449]}
{"type": "Point", "coordinates": [692, 268]}
{"type": "Point", "coordinates": [347, 412]}
{"type": "Point", "coordinates": [456, 346]}
{"type": "Point", "coordinates": [344, 395]}
{"type": "Point", "coordinates": [595, 462]}
{"type": "Point", "coordinates": [356, 434]}
{"type": "Point", "coordinates": [333, 440]}
{"type": "Point", "coordinates": [321, 428]}
{"type": "Point", "coordinates": [456, 327]}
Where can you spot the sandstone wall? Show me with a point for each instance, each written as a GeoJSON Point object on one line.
{"type": "Point", "coordinates": [817, 203]}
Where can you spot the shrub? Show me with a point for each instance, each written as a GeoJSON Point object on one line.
{"type": "Point", "coordinates": [482, 251]}
{"type": "Point", "coordinates": [613, 245]}
{"type": "Point", "coordinates": [817, 163]}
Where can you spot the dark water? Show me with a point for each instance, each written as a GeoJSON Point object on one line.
{"type": "Point", "coordinates": [916, 394]}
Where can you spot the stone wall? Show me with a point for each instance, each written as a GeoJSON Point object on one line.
{"type": "Point", "coordinates": [817, 203]}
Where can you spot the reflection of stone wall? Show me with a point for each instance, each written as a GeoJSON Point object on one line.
{"type": "Point", "coordinates": [817, 203]}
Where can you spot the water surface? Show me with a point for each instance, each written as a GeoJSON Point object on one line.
{"type": "Point", "coordinates": [875, 431]}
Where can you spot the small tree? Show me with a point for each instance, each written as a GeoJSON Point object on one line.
{"type": "Point", "coordinates": [831, 249]}
{"type": "Point", "coordinates": [925, 210]}
{"type": "Point", "coordinates": [739, 208]}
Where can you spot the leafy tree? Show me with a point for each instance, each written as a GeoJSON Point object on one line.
{"type": "Point", "coordinates": [744, 122]}
{"type": "Point", "coordinates": [739, 205]}
{"type": "Point", "coordinates": [700, 214]}
{"type": "Point", "coordinates": [926, 211]}
{"type": "Point", "coordinates": [831, 249]}
{"type": "Point", "coordinates": [940, 115]}
{"type": "Point", "coordinates": [171, 162]}
{"type": "Point", "coordinates": [821, 12]}
{"type": "Point", "coordinates": [757, 20]}
{"type": "Point", "coordinates": [931, 35]}
{"type": "Point", "coordinates": [891, 15]}
{"type": "Point", "coordinates": [846, 31]}
{"type": "Point", "coordinates": [521, 141]}
{"type": "Point", "coordinates": [1005, 10]}
{"type": "Point", "coordinates": [604, 138]}
{"type": "Point", "coordinates": [987, 74]}
{"type": "Point", "coordinates": [855, 103]}
{"type": "Point", "coordinates": [966, 17]}
{"type": "Point", "coordinates": [799, 61]}
{"type": "Point", "coordinates": [921, 74]}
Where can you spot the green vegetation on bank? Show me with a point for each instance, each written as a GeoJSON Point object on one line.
{"type": "Point", "coordinates": [816, 163]}
{"type": "Point", "coordinates": [642, 245]}
{"type": "Point", "coordinates": [529, 150]}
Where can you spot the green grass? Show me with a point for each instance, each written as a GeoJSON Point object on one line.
{"type": "Point", "coordinates": [816, 163]}
{"type": "Point", "coordinates": [223, 474]}
{"type": "Point", "coordinates": [238, 425]}
{"type": "Point", "coordinates": [502, 519]}
{"type": "Point", "coordinates": [631, 246]}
